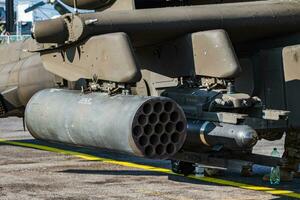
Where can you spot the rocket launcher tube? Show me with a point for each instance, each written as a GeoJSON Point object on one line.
{"type": "Point", "coordinates": [152, 127]}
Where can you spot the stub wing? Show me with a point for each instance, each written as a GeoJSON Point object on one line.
{"type": "Point", "coordinates": [109, 57]}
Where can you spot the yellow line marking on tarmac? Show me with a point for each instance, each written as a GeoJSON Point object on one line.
{"type": "Point", "coordinates": [84, 156]}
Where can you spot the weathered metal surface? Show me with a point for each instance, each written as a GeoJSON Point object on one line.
{"type": "Point", "coordinates": [292, 82]}
{"type": "Point", "coordinates": [58, 31]}
{"type": "Point", "coordinates": [100, 55]}
{"type": "Point", "coordinates": [154, 127]}
{"type": "Point", "coordinates": [110, 57]}
{"type": "Point", "coordinates": [195, 54]}
{"type": "Point", "coordinates": [268, 83]}
{"type": "Point", "coordinates": [22, 74]}
{"type": "Point", "coordinates": [138, 4]}
{"type": "Point", "coordinates": [208, 134]}
{"type": "Point", "coordinates": [149, 26]}
{"type": "Point", "coordinates": [89, 4]}
{"type": "Point", "coordinates": [214, 48]}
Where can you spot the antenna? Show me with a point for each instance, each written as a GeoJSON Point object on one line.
{"type": "Point", "coordinates": [75, 7]}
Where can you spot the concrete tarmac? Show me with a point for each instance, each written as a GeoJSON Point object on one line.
{"type": "Point", "coordinates": [28, 173]}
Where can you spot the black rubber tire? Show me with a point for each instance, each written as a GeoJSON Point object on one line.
{"type": "Point", "coordinates": [180, 167]}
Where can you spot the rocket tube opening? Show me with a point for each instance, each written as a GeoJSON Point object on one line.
{"type": "Point", "coordinates": [170, 127]}
{"type": "Point", "coordinates": [170, 148]}
{"type": "Point", "coordinates": [147, 108]}
{"type": "Point", "coordinates": [164, 117]}
{"type": "Point", "coordinates": [168, 106]}
{"type": "Point", "coordinates": [143, 141]}
{"type": "Point", "coordinates": [142, 120]}
{"type": "Point", "coordinates": [159, 117]}
{"type": "Point", "coordinates": [148, 129]}
{"type": "Point", "coordinates": [154, 140]}
{"type": "Point", "coordinates": [153, 118]}
{"type": "Point", "coordinates": [159, 129]}
{"type": "Point", "coordinates": [174, 116]}
{"type": "Point", "coordinates": [164, 139]}
{"type": "Point", "coordinates": [175, 137]}
{"type": "Point", "coordinates": [158, 107]}
{"type": "Point", "coordinates": [159, 149]}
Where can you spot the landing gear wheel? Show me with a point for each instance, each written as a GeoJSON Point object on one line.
{"type": "Point", "coordinates": [180, 167]}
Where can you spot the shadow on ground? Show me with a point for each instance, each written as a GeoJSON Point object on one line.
{"type": "Point", "coordinates": [255, 180]}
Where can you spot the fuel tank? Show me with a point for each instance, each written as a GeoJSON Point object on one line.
{"type": "Point", "coordinates": [152, 127]}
